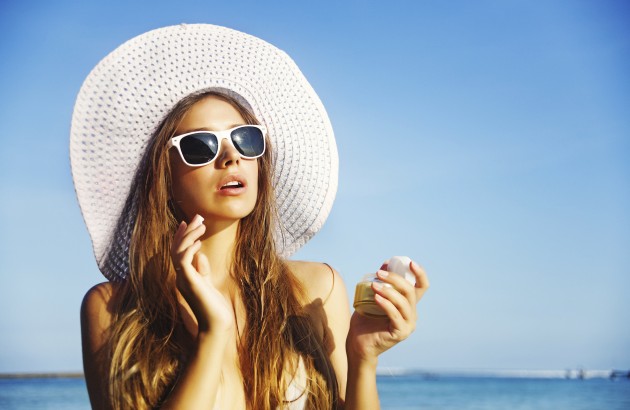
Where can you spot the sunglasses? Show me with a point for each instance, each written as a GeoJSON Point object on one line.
{"type": "Point", "coordinates": [200, 148]}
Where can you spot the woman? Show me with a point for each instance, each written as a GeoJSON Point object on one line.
{"type": "Point", "coordinates": [202, 310]}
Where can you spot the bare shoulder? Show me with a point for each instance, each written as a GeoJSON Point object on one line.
{"type": "Point", "coordinates": [97, 301]}
{"type": "Point", "coordinates": [329, 305]}
{"type": "Point", "coordinates": [96, 318]}
{"type": "Point", "coordinates": [319, 280]}
{"type": "Point", "coordinates": [96, 313]}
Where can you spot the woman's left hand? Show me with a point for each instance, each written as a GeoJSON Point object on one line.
{"type": "Point", "coordinates": [368, 336]}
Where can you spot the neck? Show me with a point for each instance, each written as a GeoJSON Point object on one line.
{"type": "Point", "coordinates": [218, 245]}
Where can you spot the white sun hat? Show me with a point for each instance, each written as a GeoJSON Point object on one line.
{"type": "Point", "coordinates": [128, 93]}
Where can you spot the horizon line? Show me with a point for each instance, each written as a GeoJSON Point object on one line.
{"type": "Point", "coordinates": [575, 373]}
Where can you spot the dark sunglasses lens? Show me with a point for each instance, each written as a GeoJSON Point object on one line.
{"type": "Point", "coordinates": [199, 148]}
{"type": "Point", "coordinates": [249, 141]}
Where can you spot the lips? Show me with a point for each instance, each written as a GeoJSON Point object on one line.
{"type": "Point", "coordinates": [232, 184]}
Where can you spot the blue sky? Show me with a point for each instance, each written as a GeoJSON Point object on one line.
{"type": "Point", "coordinates": [488, 140]}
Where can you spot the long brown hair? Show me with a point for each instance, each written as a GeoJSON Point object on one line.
{"type": "Point", "coordinates": [147, 349]}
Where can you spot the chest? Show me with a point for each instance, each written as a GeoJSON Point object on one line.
{"type": "Point", "coordinates": [231, 388]}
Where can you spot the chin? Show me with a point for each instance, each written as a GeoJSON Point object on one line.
{"type": "Point", "coordinates": [234, 212]}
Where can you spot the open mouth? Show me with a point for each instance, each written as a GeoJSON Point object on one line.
{"type": "Point", "coordinates": [233, 184]}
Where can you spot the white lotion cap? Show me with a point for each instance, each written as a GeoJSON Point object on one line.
{"type": "Point", "coordinates": [400, 265]}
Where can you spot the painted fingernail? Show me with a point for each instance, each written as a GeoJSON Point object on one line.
{"type": "Point", "coordinates": [377, 286]}
{"type": "Point", "coordinates": [197, 221]}
{"type": "Point", "coordinates": [383, 273]}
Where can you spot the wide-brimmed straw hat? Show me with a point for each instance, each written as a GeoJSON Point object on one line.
{"type": "Point", "coordinates": [126, 96]}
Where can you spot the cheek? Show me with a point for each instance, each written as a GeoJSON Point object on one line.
{"type": "Point", "coordinates": [177, 173]}
{"type": "Point", "coordinates": [185, 182]}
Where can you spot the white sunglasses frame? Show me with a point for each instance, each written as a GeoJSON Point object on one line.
{"type": "Point", "coordinates": [221, 135]}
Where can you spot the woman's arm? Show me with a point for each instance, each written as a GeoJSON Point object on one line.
{"type": "Point", "coordinates": [356, 375]}
{"type": "Point", "coordinates": [366, 338]}
{"type": "Point", "coordinates": [198, 385]}
{"type": "Point", "coordinates": [95, 322]}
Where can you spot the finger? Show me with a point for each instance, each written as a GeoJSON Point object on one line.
{"type": "Point", "coordinates": [398, 327]}
{"type": "Point", "coordinates": [194, 224]}
{"type": "Point", "coordinates": [196, 221]}
{"type": "Point", "coordinates": [190, 236]}
{"type": "Point", "coordinates": [187, 256]}
{"type": "Point", "coordinates": [185, 228]}
{"type": "Point", "coordinates": [194, 230]}
{"type": "Point", "coordinates": [186, 274]}
{"type": "Point", "coordinates": [400, 302]}
{"type": "Point", "coordinates": [400, 283]}
{"type": "Point", "coordinates": [178, 236]}
{"type": "Point", "coordinates": [180, 230]}
{"type": "Point", "coordinates": [422, 281]}
{"type": "Point", "coordinates": [202, 264]}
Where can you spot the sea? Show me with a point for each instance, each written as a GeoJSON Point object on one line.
{"type": "Point", "coordinates": [396, 391]}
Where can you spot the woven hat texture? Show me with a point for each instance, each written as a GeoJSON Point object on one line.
{"type": "Point", "coordinates": [130, 91]}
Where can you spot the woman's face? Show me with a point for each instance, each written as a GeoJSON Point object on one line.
{"type": "Point", "coordinates": [210, 190]}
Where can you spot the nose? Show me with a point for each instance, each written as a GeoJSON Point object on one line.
{"type": "Point", "coordinates": [228, 155]}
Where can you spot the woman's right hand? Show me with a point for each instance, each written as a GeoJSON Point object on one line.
{"type": "Point", "coordinates": [194, 281]}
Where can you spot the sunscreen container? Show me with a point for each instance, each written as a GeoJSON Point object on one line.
{"type": "Point", "coordinates": [364, 294]}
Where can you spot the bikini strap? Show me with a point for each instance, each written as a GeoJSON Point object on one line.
{"type": "Point", "coordinates": [332, 272]}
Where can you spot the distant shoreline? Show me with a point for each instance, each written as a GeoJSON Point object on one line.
{"type": "Point", "coordinates": [60, 375]}
{"type": "Point", "coordinates": [394, 372]}
{"type": "Point", "coordinates": [509, 374]}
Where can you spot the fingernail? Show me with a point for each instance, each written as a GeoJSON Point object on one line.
{"type": "Point", "coordinates": [197, 220]}
{"type": "Point", "coordinates": [382, 273]}
{"type": "Point", "coordinates": [377, 286]}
